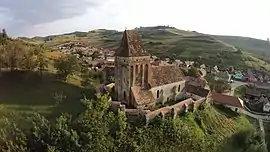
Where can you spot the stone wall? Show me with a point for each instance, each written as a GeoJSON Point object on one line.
{"type": "Point", "coordinates": [175, 110]}
{"type": "Point", "coordinates": [169, 92]}
{"type": "Point", "coordinates": [130, 71]}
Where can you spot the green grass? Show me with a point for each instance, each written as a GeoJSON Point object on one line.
{"type": "Point", "coordinates": [258, 47]}
{"type": "Point", "coordinates": [27, 96]}
{"type": "Point", "coordinates": [239, 91]}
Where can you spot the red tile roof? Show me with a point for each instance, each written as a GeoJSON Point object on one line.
{"type": "Point", "coordinates": [227, 100]}
{"type": "Point", "coordinates": [142, 97]}
{"type": "Point", "coordinates": [131, 45]}
{"type": "Point", "coordinates": [162, 75]}
{"type": "Point", "coordinates": [197, 90]}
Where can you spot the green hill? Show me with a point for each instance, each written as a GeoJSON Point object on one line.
{"type": "Point", "coordinates": [171, 42]}
{"type": "Point", "coordinates": [258, 47]}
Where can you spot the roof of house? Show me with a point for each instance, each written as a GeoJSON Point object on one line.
{"type": "Point", "coordinates": [262, 84]}
{"type": "Point", "coordinates": [197, 90]}
{"type": "Point", "coordinates": [130, 45]}
{"type": "Point", "coordinates": [222, 75]}
{"type": "Point", "coordinates": [195, 81]}
{"type": "Point", "coordinates": [162, 75]}
{"type": "Point", "coordinates": [252, 92]}
{"type": "Point", "coordinates": [227, 100]}
{"type": "Point", "coordinates": [142, 97]}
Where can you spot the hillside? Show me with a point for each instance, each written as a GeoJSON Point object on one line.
{"type": "Point", "coordinates": [258, 47]}
{"type": "Point", "coordinates": [166, 41]}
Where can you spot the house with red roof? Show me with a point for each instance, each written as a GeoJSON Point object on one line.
{"type": "Point", "coordinates": [234, 103]}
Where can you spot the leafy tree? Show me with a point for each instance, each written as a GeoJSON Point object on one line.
{"type": "Point", "coordinates": [29, 61]}
{"type": "Point", "coordinates": [14, 53]}
{"type": "Point", "coordinates": [193, 72]}
{"type": "Point", "coordinates": [2, 57]}
{"type": "Point", "coordinates": [66, 66]}
{"type": "Point", "coordinates": [12, 138]}
{"type": "Point", "coordinates": [120, 129]}
{"type": "Point", "coordinates": [42, 64]}
{"type": "Point", "coordinates": [219, 86]}
{"type": "Point", "coordinates": [87, 78]}
{"type": "Point", "coordinates": [41, 61]}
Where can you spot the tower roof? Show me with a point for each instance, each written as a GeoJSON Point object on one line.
{"type": "Point", "coordinates": [131, 45]}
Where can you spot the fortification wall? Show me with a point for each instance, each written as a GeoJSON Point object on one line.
{"type": "Point", "coordinates": [176, 109]}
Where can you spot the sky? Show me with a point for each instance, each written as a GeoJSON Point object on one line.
{"type": "Point", "coordinates": [30, 18]}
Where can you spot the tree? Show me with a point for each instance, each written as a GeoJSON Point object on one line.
{"type": "Point", "coordinates": [219, 86]}
{"type": "Point", "coordinates": [42, 64]}
{"type": "Point", "coordinates": [66, 66]}
{"type": "Point", "coordinates": [87, 78]}
{"type": "Point", "coordinates": [41, 61]}
{"type": "Point", "coordinates": [2, 58]}
{"type": "Point", "coordinates": [193, 72]}
{"type": "Point", "coordinates": [12, 138]}
{"type": "Point", "coordinates": [120, 131]}
{"type": "Point", "coordinates": [29, 60]}
{"type": "Point", "coordinates": [14, 54]}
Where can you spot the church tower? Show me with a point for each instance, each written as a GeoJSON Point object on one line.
{"type": "Point", "coordinates": [132, 64]}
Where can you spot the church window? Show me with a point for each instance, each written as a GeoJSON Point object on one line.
{"type": "Point", "coordinates": [131, 74]}
{"type": "Point", "coordinates": [157, 94]}
{"type": "Point", "coordinates": [179, 87]}
{"type": "Point", "coordinates": [125, 96]}
{"type": "Point", "coordinates": [146, 74]}
{"type": "Point", "coordinates": [136, 69]}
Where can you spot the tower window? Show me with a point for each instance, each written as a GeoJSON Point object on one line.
{"type": "Point", "coordinates": [179, 87]}
{"type": "Point", "coordinates": [125, 96]}
{"type": "Point", "coordinates": [157, 94]}
{"type": "Point", "coordinates": [131, 75]}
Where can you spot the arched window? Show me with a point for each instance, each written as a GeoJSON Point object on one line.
{"type": "Point", "coordinates": [146, 74]}
{"type": "Point", "coordinates": [179, 87]}
{"type": "Point", "coordinates": [125, 96]}
{"type": "Point", "coordinates": [136, 69]}
{"type": "Point", "coordinates": [157, 94]}
{"type": "Point", "coordinates": [131, 75]}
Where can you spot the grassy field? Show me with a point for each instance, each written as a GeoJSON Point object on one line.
{"type": "Point", "coordinates": [258, 47]}
{"type": "Point", "coordinates": [23, 95]}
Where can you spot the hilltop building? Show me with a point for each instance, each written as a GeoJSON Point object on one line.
{"type": "Point", "coordinates": [140, 85]}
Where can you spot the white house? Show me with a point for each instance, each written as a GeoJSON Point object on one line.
{"type": "Point", "coordinates": [196, 92]}
{"type": "Point", "coordinates": [266, 107]}
{"type": "Point", "coordinates": [234, 103]}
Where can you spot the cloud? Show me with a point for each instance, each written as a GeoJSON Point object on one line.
{"type": "Point", "coordinates": [18, 15]}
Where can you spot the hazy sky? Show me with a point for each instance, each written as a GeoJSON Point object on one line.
{"type": "Point", "coordinates": [228, 17]}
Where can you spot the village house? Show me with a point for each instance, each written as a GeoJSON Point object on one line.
{"type": "Point", "coordinates": [223, 76]}
{"type": "Point", "coordinates": [261, 85]}
{"type": "Point", "coordinates": [234, 103]}
{"type": "Point", "coordinates": [266, 107]}
{"type": "Point", "coordinates": [238, 76]}
{"type": "Point", "coordinates": [198, 82]}
{"type": "Point", "coordinates": [196, 93]}
{"type": "Point", "coordinates": [252, 93]}
{"type": "Point", "coordinates": [215, 69]}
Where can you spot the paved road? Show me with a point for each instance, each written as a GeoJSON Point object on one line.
{"type": "Point", "coordinates": [236, 84]}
